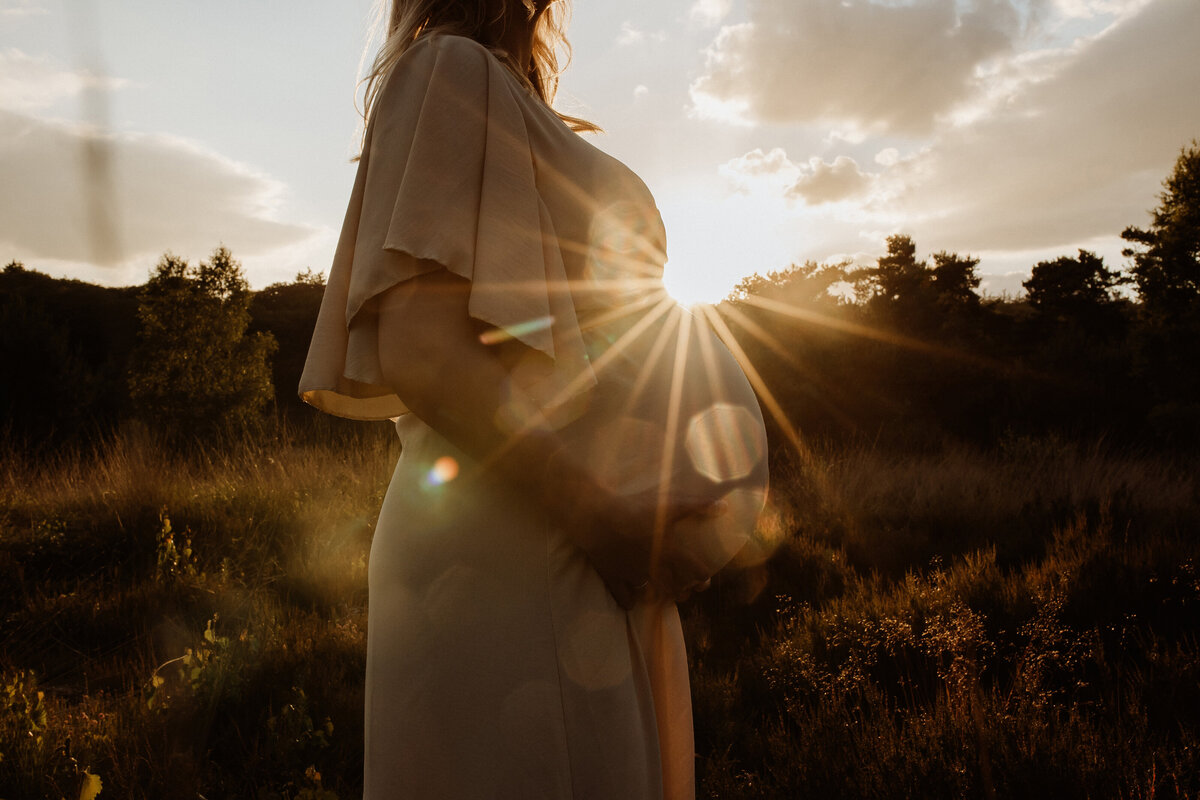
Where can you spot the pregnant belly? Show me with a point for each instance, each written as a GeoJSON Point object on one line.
{"type": "Point", "coordinates": [673, 407]}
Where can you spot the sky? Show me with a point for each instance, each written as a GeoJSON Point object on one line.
{"type": "Point", "coordinates": [770, 131]}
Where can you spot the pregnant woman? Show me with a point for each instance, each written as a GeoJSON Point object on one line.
{"type": "Point", "coordinates": [577, 455]}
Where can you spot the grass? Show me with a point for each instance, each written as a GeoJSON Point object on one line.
{"type": "Point", "coordinates": [120, 563]}
{"type": "Point", "coordinates": [1015, 623]}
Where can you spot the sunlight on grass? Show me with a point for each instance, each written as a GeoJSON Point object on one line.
{"type": "Point", "coordinates": [938, 610]}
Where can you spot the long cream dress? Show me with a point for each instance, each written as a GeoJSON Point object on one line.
{"type": "Point", "coordinates": [498, 665]}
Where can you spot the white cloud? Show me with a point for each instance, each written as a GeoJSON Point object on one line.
{"type": "Point", "coordinates": [96, 203]}
{"type": "Point", "coordinates": [734, 110]}
{"type": "Point", "coordinates": [631, 35]}
{"type": "Point", "coordinates": [772, 171]}
{"type": "Point", "coordinates": [640, 91]}
{"type": "Point", "coordinates": [821, 183]}
{"type": "Point", "coordinates": [756, 162]}
{"type": "Point", "coordinates": [1073, 157]}
{"type": "Point", "coordinates": [813, 183]}
{"type": "Point", "coordinates": [1087, 9]}
{"type": "Point", "coordinates": [22, 8]}
{"type": "Point", "coordinates": [710, 13]}
{"type": "Point", "coordinates": [879, 67]}
{"type": "Point", "coordinates": [1065, 157]}
{"type": "Point", "coordinates": [28, 83]}
{"type": "Point", "coordinates": [74, 195]}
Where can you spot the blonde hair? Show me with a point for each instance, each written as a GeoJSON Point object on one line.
{"type": "Point", "coordinates": [409, 20]}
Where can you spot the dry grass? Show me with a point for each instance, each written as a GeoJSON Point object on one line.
{"type": "Point", "coordinates": [1015, 624]}
{"type": "Point", "coordinates": [114, 562]}
{"type": "Point", "coordinates": [891, 512]}
{"type": "Point", "coordinates": [1012, 624]}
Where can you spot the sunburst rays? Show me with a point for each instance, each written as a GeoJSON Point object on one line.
{"type": "Point", "coordinates": [885, 336]}
{"type": "Point", "coordinates": [647, 311]}
{"type": "Point", "coordinates": [789, 357]}
{"type": "Point", "coordinates": [765, 395]}
{"type": "Point", "coordinates": [678, 375]}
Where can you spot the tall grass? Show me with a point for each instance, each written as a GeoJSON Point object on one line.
{"type": "Point", "coordinates": [1021, 623]}
{"type": "Point", "coordinates": [187, 622]}
{"type": "Point", "coordinates": [1015, 623]}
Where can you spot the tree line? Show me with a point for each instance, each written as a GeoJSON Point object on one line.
{"type": "Point", "coordinates": [907, 351]}
{"type": "Point", "coordinates": [190, 353]}
{"type": "Point", "coordinates": [904, 351]}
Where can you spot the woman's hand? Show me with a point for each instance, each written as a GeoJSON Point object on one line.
{"type": "Point", "coordinates": [634, 544]}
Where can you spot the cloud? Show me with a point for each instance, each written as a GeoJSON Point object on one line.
{"type": "Point", "coordinates": [1076, 156]}
{"type": "Point", "coordinates": [1087, 9]}
{"type": "Point", "coordinates": [773, 170]}
{"type": "Point", "coordinates": [631, 35]}
{"type": "Point", "coordinates": [880, 67]}
{"type": "Point", "coordinates": [75, 195]}
{"type": "Point", "coordinates": [756, 162]}
{"type": "Point", "coordinates": [814, 183]}
{"type": "Point", "coordinates": [1065, 160]}
{"type": "Point", "coordinates": [887, 157]}
{"type": "Point", "coordinates": [28, 83]}
{"type": "Point", "coordinates": [710, 13]}
{"type": "Point", "coordinates": [821, 183]}
{"type": "Point", "coordinates": [21, 8]}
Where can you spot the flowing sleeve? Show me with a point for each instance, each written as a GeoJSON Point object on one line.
{"type": "Point", "coordinates": [447, 179]}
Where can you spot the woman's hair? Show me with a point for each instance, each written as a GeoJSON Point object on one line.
{"type": "Point", "coordinates": [409, 20]}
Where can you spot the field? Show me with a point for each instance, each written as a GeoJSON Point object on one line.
{"type": "Point", "coordinates": [1017, 622]}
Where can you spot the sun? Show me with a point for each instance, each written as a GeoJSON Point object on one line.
{"type": "Point", "coordinates": [713, 242]}
{"type": "Point", "coordinates": [696, 287]}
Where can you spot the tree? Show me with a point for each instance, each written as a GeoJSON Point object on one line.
{"type": "Point", "coordinates": [306, 277]}
{"type": "Point", "coordinates": [288, 312]}
{"type": "Point", "coordinates": [899, 276]}
{"type": "Point", "coordinates": [807, 284]}
{"type": "Point", "coordinates": [65, 345]}
{"type": "Point", "coordinates": [1166, 269]}
{"type": "Point", "coordinates": [1080, 289]}
{"type": "Point", "coordinates": [1166, 256]}
{"type": "Point", "coordinates": [47, 388]}
{"type": "Point", "coordinates": [955, 280]}
{"type": "Point", "coordinates": [899, 289]}
{"type": "Point", "coordinates": [195, 367]}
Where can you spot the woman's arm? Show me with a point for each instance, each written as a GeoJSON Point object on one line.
{"type": "Point", "coordinates": [432, 358]}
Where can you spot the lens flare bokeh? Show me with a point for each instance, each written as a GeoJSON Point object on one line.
{"type": "Point", "coordinates": [444, 470]}
{"type": "Point", "coordinates": [725, 442]}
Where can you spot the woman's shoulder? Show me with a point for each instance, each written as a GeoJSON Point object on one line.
{"type": "Point", "coordinates": [453, 68]}
{"type": "Point", "coordinates": [447, 50]}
